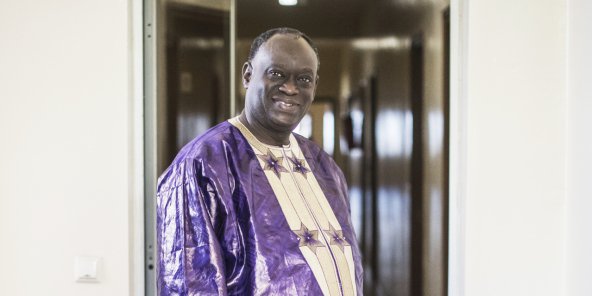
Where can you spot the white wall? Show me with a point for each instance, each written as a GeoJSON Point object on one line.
{"type": "Point", "coordinates": [515, 148]}
{"type": "Point", "coordinates": [65, 142]}
{"type": "Point", "coordinates": [65, 164]}
{"type": "Point", "coordinates": [579, 160]}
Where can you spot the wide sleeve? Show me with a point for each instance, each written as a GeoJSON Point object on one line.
{"type": "Point", "coordinates": [190, 259]}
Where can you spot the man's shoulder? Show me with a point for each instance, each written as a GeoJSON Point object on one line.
{"type": "Point", "coordinates": [208, 142]}
{"type": "Point", "coordinates": [312, 151]}
{"type": "Point", "coordinates": [214, 135]}
{"type": "Point", "coordinates": [208, 147]}
{"type": "Point", "coordinates": [308, 144]}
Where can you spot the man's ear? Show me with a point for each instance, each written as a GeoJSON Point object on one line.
{"type": "Point", "coordinates": [247, 72]}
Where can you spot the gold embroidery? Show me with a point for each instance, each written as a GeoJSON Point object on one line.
{"type": "Point", "coordinates": [308, 238]}
{"type": "Point", "coordinates": [308, 213]}
{"type": "Point", "coordinates": [273, 163]}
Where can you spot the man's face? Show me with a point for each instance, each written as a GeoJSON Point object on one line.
{"type": "Point", "coordinates": [281, 81]}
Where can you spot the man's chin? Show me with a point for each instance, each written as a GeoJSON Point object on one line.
{"type": "Point", "coordinates": [285, 124]}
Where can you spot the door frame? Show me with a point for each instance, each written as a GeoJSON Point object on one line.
{"type": "Point", "coordinates": [143, 83]}
{"type": "Point", "coordinates": [458, 142]}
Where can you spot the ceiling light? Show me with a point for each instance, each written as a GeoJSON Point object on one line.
{"type": "Point", "coordinates": [288, 2]}
{"type": "Point", "coordinates": [379, 43]}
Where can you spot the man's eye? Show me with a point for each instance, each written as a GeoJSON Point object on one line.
{"type": "Point", "coordinates": [305, 79]}
{"type": "Point", "coordinates": [276, 74]}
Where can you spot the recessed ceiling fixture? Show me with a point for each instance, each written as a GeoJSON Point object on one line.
{"type": "Point", "coordinates": [380, 43]}
{"type": "Point", "coordinates": [288, 2]}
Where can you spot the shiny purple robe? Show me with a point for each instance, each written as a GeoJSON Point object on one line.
{"type": "Point", "coordinates": [221, 230]}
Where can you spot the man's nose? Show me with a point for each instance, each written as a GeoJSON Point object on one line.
{"type": "Point", "coordinates": [289, 87]}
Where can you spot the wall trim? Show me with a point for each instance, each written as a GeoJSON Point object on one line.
{"type": "Point", "coordinates": [458, 143]}
{"type": "Point", "coordinates": [136, 141]}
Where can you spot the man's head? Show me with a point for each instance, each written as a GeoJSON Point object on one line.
{"type": "Point", "coordinates": [281, 78]}
{"type": "Point", "coordinates": [263, 37]}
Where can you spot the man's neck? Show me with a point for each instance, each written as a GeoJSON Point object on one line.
{"type": "Point", "coordinates": [264, 136]}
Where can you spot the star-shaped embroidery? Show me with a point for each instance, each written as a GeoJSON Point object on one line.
{"type": "Point", "coordinates": [337, 238]}
{"type": "Point", "coordinates": [273, 163]}
{"type": "Point", "coordinates": [308, 238]}
{"type": "Point", "coordinates": [298, 165]}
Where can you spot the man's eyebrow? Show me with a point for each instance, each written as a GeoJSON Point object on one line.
{"type": "Point", "coordinates": [282, 66]}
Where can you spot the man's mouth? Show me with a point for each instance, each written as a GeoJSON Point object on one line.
{"type": "Point", "coordinates": [286, 105]}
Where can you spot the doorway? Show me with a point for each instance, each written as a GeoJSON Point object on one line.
{"type": "Point", "coordinates": [388, 95]}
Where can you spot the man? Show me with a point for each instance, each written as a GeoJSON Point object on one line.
{"type": "Point", "coordinates": [249, 208]}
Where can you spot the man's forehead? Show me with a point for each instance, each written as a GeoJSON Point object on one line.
{"type": "Point", "coordinates": [286, 45]}
{"type": "Point", "coordinates": [285, 36]}
{"type": "Point", "coordinates": [285, 42]}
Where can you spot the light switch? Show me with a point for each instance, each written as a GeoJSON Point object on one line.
{"type": "Point", "coordinates": [85, 269]}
